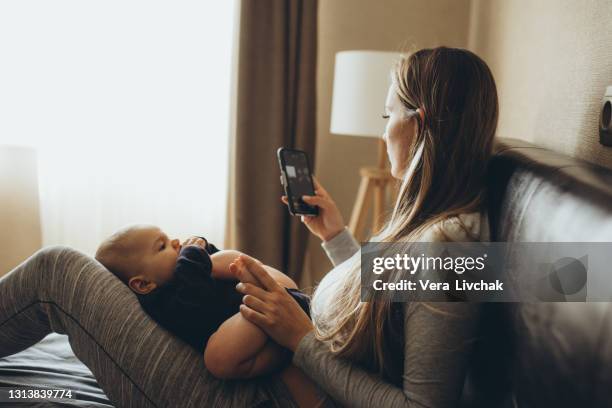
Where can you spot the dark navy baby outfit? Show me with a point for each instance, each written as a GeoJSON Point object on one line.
{"type": "Point", "coordinates": [194, 304]}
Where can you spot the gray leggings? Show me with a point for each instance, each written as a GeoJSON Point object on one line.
{"type": "Point", "coordinates": [136, 362]}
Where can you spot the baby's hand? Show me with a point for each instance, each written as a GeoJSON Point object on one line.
{"type": "Point", "coordinates": [195, 241]}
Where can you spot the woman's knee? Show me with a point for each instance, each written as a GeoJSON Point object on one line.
{"type": "Point", "coordinates": [66, 276]}
{"type": "Point", "coordinates": [50, 256]}
{"type": "Point", "coordinates": [43, 275]}
{"type": "Point", "coordinates": [56, 259]}
{"type": "Point", "coordinates": [53, 251]}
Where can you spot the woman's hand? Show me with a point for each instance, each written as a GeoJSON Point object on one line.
{"type": "Point", "coordinates": [329, 222]}
{"type": "Point", "coordinates": [269, 306]}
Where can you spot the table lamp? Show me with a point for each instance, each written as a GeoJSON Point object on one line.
{"type": "Point", "coordinates": [361, 81]}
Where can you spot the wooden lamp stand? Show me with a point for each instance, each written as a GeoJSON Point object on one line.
{"type": "Point", "coordinates": [372, 189]}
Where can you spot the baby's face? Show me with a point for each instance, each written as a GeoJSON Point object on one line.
{"type": "Point", "coordinates": [157, 254]}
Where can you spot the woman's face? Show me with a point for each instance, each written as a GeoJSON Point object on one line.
{"type": "Point", "coordinates": [400, 130]}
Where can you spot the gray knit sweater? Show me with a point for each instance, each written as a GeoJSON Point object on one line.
{"type": "Point", "coordinates": [437, 343]}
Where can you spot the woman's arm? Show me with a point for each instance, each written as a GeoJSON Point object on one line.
{"type": "Point", "coordinates": [341, 247]}
{"type": "Point", "coordinates": [437, 336]}
{"type": "Point", "coordinates": [437, 347]}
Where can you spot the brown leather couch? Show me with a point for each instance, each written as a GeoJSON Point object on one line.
{"type": "Point", "coordinates": [545, 354]}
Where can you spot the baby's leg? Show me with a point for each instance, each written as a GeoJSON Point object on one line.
{"type": "Point", "coordinates": [277, 275]}
{"type": "Point", "coordinates": [303, 390]}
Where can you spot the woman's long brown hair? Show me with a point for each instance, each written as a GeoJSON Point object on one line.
{"type": "Point", "coordinates": [447, 167]}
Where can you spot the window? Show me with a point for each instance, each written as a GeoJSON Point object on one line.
{"type": "Point", "coordinates": [127, 103]}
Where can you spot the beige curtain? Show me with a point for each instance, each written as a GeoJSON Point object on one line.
{"type": "Point", "coordinates": [275, 106]}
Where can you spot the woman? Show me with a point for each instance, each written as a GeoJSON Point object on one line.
{"type": "Point", "coordinates": [442, 115]}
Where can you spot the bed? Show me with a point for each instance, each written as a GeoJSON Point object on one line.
{"type": "Point", "coordinates": [530, 355]}
{"type": "Point", "coordinates": [51, 364]}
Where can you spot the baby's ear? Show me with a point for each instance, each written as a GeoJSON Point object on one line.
{"type": "Point", "coordinates": [141, 285]}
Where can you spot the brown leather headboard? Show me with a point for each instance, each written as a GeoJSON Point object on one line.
{"type": "Point", "coordinates": [539, 195]}
{"type": "Point", "coordinates": [546, 354]}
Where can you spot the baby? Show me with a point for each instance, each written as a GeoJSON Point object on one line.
{"type": "Point", "coordinates": [189, 289]}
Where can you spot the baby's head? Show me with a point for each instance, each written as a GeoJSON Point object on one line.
{"type": "Point", "coordinates": [142, 256]}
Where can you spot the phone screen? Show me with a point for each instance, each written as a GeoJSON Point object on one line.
{"type": "Point", "coordinates": [299, 181]}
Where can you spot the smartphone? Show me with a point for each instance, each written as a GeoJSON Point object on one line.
{"type": "Point", "coordinates": [297, 180]}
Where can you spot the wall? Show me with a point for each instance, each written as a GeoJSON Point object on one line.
{"type": "Point", "coordinates": [390, 25]}
{"type": "Point", "coordinates": [552, 60]}
{"type": "Point", "coordinates": [19, 215]}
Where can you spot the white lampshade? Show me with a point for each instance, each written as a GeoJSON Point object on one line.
{"type": "Point", "coordinates": [361, 81]}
